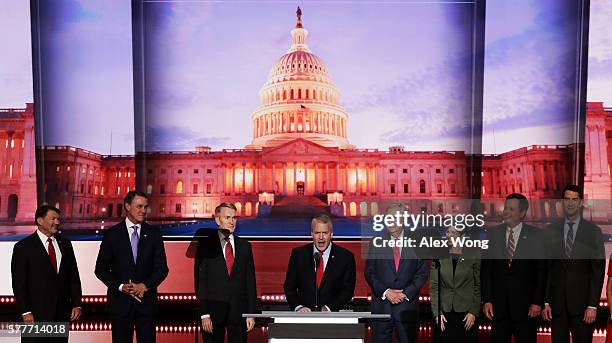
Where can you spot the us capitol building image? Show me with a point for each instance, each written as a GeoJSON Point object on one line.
{"type": "Point", "coordinates": [299, 157]}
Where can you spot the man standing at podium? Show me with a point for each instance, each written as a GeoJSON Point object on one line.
{"type": "Point", "coordinates": [321, 275]}
{"type": "Point", "coordinates": [396, 276]}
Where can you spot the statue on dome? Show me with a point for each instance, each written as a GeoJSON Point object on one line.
{"type": "Point", "coordinates": [299, 16]}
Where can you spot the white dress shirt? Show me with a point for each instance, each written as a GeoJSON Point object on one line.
{"type": "Point", "coordinates": [58, 252]}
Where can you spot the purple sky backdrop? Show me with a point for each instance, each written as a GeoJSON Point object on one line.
{"type": "Point", "coordinates": [394, 64]}
{"type": "Point", "coordinates": [16, 57]}
{"type": "Point", "coordinates": [526, 85]}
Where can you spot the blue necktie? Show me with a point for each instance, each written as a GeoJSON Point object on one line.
{"type": "Point", "coordinates": [135, 242]}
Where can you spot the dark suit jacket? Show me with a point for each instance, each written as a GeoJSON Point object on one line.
{"type": "Point", "coordinates": [576, 282]}
{"type": "Point", "coordinates": [115, 265]}
{"type": "Point", "coordinates": [338, 283]}
{"type": "Point", "coordinates": [37, 288]}
{"type": "Point", "coordinates": [380, 274]}
{"type": "Point", "coordinates": [225, 297]}
{"type": "Point", "coordinates": [513, 289]}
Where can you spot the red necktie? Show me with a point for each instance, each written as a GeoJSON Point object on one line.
{"type": "Point", "coordinates": [396, 257]}
{"type": "Point", "coordinates": [320, 271]}
{"type": "Point", "coordinates": [229, 256]}
{"type": "Point", "coordinates": [52, 254]}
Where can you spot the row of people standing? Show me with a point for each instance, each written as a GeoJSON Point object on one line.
{"type": "Point", "coordinates": [556, 273]}
{"type": "Point", "coordinates": [513, 281]}
{"type": "Point", "coordinates": [131, 262]}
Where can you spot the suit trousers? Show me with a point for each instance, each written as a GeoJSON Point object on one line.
{"type": "Point", "coordinates": [405, 329]}
{"type": "Point", "coordinates": [524, 330]}
{"type": "Point", "coordinates": [454, 329]}
{"type": "Point", "coordinates": [235, 333]}
{"type": "Point", "coordinates": [123, 326]}
{"type": "Point", "coordinates": [563, 323]}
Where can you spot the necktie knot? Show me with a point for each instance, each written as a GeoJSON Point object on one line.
{"type": "Point", "coordinates": [571, 225]}
{"type": "Point", "coordinates": [49, 240]}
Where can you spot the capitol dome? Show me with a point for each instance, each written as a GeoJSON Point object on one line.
{"type": "Point", "coordinates": [299, 100]}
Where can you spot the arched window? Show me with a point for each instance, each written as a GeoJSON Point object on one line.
{"type": "Point", "coordinates": [363, 209]}
{"type": "Point", "coordinates": [179, 187]}
{"type": "Point", "coordinates": [149, 189]}
{"type": "Point", "coordinates": [422, 186]}
{"type": "Point", "coordinates": [374, 208]}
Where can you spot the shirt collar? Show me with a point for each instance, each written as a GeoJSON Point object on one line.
{"type": "Point", "coordinates": [401, 236]}
{"type": "Point", "coordinates": [44, 237]}
{"type": "Point", "coordinates": [222, 236]}
{"type": "Point", "coordinates": [129, 224]}
{"type": "Point", "coordinates": [517, 228]}
{"type": "Point", "coordinates": [575, 221]}
{"type": "Point", "coordinates": [324, 252]}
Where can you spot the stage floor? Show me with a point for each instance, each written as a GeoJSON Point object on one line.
{"type": "Point", "coordinates": [258, 335]}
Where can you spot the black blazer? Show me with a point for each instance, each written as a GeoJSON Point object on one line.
{"type": "Point", "coordinates": [225, 297]}
{"type": "Point", "coordinates": [338, 283]}
{"type": "Point", "coordinates": [36, 286]}
{"type": "Point", "coordinates": [380, 274]}
{"type": "Point", "coordinates": [513, 289]}
{"type": "Point", "coordinates": [576, 282]}
{"type": "Point", "coordinates": [115, 265]}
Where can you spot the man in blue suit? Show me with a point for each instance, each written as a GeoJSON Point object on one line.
{"type": "Point", "coordinates": [395, 275]}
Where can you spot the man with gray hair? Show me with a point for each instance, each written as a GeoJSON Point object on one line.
{"type": "Point", "coordinates": [321, 275]}
{"type": "Point", "coordinates": [395, 275]}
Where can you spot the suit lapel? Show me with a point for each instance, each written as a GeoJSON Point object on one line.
{"type": "Point", "coordinates": [388, 258]}
{"type": "Point", "coordinates": [42, 252]}
{"type": "Point", "coordinates": [582, 240]}
{"type": "Point", "coordinates": [501, 237]}
{"type": "Point", "coordinates": [124, 239]}
{"type": "Point", "coordinates": [237, 255]}
{"type": "Point", "coordinates": [446, 267]}
{"type": "Point", "coordinates": [62, 246]}
{"type": "Point", "coordinates": [522, 240]}
{"type": "Point", "coordinates": [143, 242]}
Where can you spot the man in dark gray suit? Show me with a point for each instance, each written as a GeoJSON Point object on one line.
{"type": "Point", "coordinates": [576, 272]}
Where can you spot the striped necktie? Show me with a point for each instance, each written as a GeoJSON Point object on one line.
{"type": "Point", "coordinates": [510, 247]}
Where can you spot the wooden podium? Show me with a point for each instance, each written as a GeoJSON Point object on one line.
{"type": "Point", "coordinates": [316, 327]}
